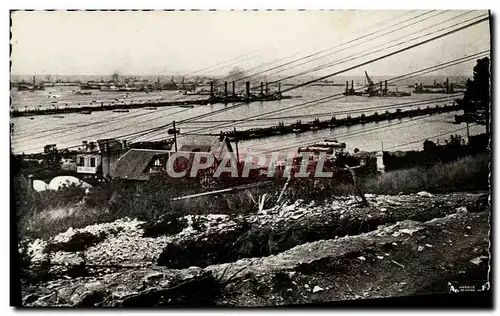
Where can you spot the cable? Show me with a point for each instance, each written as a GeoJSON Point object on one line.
{"type": "Point", "coordinates": [341, 95]}
{"type": "Point", "coordinates": [423, 139]}
{"type": "Point", "coordinates": [337, 46]}
{"type": "Point", "coordinates": [364, 63]}
{"type": "Point", "coordinates": [368, 40]}
{"type": "Point", "coordinates": [99, 123]}
{"type": "Point", "coordinates": [331, 64]}
{"type": "Point", "coordinates": [375, 32]}
{"type": "Point", "coordinates": [331, 113]}
{"type": "Point", "coordinates": [389, 54]}
{"type": "Point", "coordinates": [351, 134]}
{"type": "Point", "coordinates": [359, 56]}
{"type": "Point", "coordinates": [295, 54]}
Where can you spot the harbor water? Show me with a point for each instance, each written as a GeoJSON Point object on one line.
{"type": "Point", "coordinates": [30, 134]}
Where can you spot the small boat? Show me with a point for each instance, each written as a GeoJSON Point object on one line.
{"type": "Point", "coordinates": [150, 108]}
{"type": "Point", "coordinates": [121, 111]}
{"type": "Point", "coordinates": [32, 118]}
{"type": "Point", "coordinates": [58, 116]}
{"type": "Point", "coordinates": [86, 112]}
{"type": "Point", "coordinates": [186, 106]}
{"type": "Point", "coordinates": [315, 149]}
{"type": "Point", "coordinates": [328, 143]}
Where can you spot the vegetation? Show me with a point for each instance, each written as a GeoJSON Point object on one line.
{"type": "Point", "coordinates": [453, 149]}
{"type": "Point", "coordinates": [476, 100]}
{"type": "Point", "coordinates": [468, 173]}
{"type": "Point", "coordinates": [43, 214]}
{"type": "Point", "coordinates": [47, 213]}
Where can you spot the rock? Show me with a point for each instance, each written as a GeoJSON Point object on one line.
{"type": "Point", "coordinates": [425, 194]}
{"type": "Point", "coordinates": [92, 298]}
{"type": "Point", "coordinates": [369, 195]}
{"type": "Point", "coordinates": [317, 289]}
{"type": "Point", "coordinates": [30, 299]}
{"type": "Point", "coordinates": [361, 258]}
{"type": "Point", "coordinates": [410, 231]}
{"type": "Point", "coordinates": [477, 261]}
{"type": "Point", "coordinates": [391, 202]}
{"type": "Point", "coordinates": [153, 276]}
{"type": "Point", "coordinates": [461, 209]}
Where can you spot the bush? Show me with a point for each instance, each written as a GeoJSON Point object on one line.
{"type": "Point", "coordinates": [468, 173]}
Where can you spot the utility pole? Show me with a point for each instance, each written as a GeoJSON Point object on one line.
{"type": "Point", "coordinates": [468, 135]}
{"type": "Point", "coordinates": [237, 151]}
{"type": "Point", "coordinates": [175, 137]}
{"type": "Point", "coordinates": [107, 156]}
{"type": "Point", "coordinates": [225, 92]}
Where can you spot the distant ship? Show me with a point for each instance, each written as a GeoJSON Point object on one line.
{"type": "Point", "coordinates": [23, 86]}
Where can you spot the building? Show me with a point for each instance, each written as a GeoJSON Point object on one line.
{"type": "Point", "coordinates": [140, 164]}
{"type": "Point", "coordinates": [97, 159]}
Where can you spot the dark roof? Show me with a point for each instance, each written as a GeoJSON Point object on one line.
{"type": "Point", "coordinates": [113, 144]}
{"type": "Point", "coordinates": [132, 165]}
{"type": "Point", "coordinates": [196, 148]}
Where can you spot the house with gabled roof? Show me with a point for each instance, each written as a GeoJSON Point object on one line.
{"type": "Point", "coordinates": [98, 158]}
{"type": "Point", "coordinates": [141, 164]}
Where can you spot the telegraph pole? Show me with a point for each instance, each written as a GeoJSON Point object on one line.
{"type": "Point", "coordinates": [107, 156]}
{"type": "Point", "coordinates": [175, 137]}
{"type": "Point", "coordinates": [237, 151]}
{"type": "Point", "coordinates": [468, 135]}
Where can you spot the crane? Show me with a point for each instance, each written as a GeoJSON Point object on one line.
{"type": "Point", "coordinates": [371, 86]}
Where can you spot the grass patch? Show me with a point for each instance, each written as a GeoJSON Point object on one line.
{"type": "Point", "coordinates": [45, 214]}
{"type": "Point", "coordinates": [468, 173]}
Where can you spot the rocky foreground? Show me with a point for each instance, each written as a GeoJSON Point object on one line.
{"type": "Point", "coordinates": [397, 246]}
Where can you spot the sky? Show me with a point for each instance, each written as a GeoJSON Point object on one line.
{"type": "Point", "coordinates": [189, 42]}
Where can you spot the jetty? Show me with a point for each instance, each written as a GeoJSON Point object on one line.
{"type": "Point", "coordinates": [213, 98]}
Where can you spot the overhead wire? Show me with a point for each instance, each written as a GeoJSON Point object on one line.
{"type": "Point", "coordinates": [356, 66]}
{"type": "Point", "coordinates": [341, 95]}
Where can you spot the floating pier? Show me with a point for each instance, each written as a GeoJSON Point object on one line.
{"type": "Point", "coordinates": [225, 98]}
{"type": "Point", "coordinates": [300, 127]}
